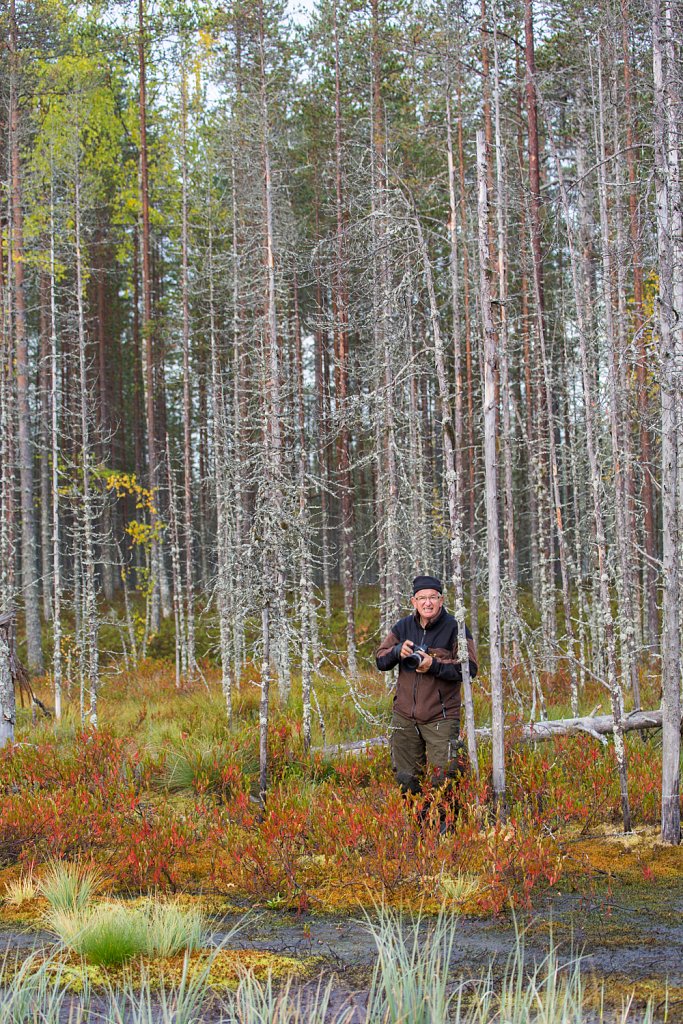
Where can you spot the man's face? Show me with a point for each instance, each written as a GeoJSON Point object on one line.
{"type": "Point", "coordinates": [427, 603]}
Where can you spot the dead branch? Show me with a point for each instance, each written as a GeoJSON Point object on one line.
{"type": "Point", "coordinates": [598, 726]}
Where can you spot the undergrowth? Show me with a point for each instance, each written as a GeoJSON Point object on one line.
{"type": "Point", "coordinates": [164, 795]}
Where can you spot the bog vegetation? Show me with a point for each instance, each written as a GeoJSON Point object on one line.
{"type": "Point", "coordinates": [292, 309]}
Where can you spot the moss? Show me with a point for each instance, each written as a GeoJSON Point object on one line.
{"type": "Point", "coordinates": [633, 858]}
{"type": "Point", "coordinates": [226, 969]}
{"type": "Point", "coordinates": [619, 990]}
{"type": "Point", "coordinates": [29, 915]}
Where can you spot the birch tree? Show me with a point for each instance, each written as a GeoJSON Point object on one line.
{"type": "Point", "coordinates": [670, 310]}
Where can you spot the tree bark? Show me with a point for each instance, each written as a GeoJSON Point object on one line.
{"type": "Point", "coordinates": [54, 439]}
{"type": "Point", "coordinates": [8, 708]}
{"type": "Point", "coordinates": [342, 380]}
{"type": "Point", "coordinates": [188, 535]}
{"type": "Point", "coordinates": [29, 538]}
{"type": "Point", "coordinates": [148, 327]}
{"type": "Point", "coordinates": [642, 363]}
{"type": "Point", "coordinates": [490, 444]}
{"type": "Point", "coordinates": [670, 350]}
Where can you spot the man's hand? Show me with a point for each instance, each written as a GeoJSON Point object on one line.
{"type": "Point", "coordinates": [407, 649]}
{"type": "Point", "coordinates": [425, 664]}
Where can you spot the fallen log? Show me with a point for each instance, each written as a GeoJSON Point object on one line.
{"type": "Point", "coordinates": [598, 726]}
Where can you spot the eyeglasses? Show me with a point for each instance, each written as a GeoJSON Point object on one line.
{"type": "Point", "coordinates": [429, 600]}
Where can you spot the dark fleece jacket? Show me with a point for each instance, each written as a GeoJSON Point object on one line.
{"type": "Point", "coordinates": [431, 695]}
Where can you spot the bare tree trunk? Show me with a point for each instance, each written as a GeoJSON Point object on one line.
{"type": "Point", "coordinates": [455, 519]}
{"type": "Point", "coordinates": [617, 416]}
{"type": "Point", "coordinates": [492, 534]}
{"type": "Point", "coordinates": [381, 326]}
{"type": "Point", "coordinates": [274, 556]}
{"type": "Point", "coordinates": [8, 708]}
{"type": "Point", "coordinates": [56, 532]}
{"type": "Point", "coordinates": [421, 554]}
{"type": "Point", "coordinates": [29, 539]}
{"type": "Point", "coordinates": [90, 626]}
{"type": "Point", "coordinates": [188, 536]}
{"type": "Point", "coordinates": [181, 652]}
{"type": "Point", "coordinates": [605, 608]}
{"type": "Point", "coordinates": [342, 382]}
{"type": "Point", "coordinates": [509, 517]}
{"type": "Point", "coordinates": [307, 605]}
{"type": "Point", "coordinates": [322, 424]}
{"type": "Point", "coordinates": [669, 229]}
{"type": "Point", "coordinates": [6, 435]}
{"type": "Point", "coordinates": [223, 582]}
{"type": "Point", "coordinates": [44, 399]}
{"type": "Point", "coordinates": [642, 367]}
{"type": "Point", "coordinates": [237, 523]}
{"type": "Point", "coordinates": [148, 325]}
{"type": "Point", "coordinates": [263, 706]}
{"type": "Point", "coordinates": [471, 489]}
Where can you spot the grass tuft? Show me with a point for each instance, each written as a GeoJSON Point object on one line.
{"type": "Point", "coordinates": [410, 979]}
{"type": "Point", "coordinates": [170, 928]}
{"type": "Point", "coordinates": [105, 935]}
{"type": "Point", "coordinates": [70, 887]}
{"type": "Point", "coordinates": [21, 890]}
{"type": "Point", "coordinates": [461, 888]}
{"type": "Point", "coordinates": [111, 933]}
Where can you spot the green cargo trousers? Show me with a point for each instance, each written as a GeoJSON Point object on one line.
{"type": "Point", "coordinates": [416, 744]}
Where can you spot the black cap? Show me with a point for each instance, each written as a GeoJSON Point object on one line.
{"type": "Point", "coordinates": [427, 583]}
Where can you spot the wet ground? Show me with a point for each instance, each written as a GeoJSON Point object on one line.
{"type": "Point", "coordinates": [629, 938]}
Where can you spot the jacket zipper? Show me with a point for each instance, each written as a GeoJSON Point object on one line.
{"type": "Point", "coordinates": [424, 634]}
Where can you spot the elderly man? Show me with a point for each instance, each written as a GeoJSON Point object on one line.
{"type": "Point", "coordinates": [425, 724]}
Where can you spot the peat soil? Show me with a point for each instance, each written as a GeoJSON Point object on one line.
{"type": "Point", "coordinates": [629, 939]}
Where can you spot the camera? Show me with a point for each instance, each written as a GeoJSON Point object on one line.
{"type": "Point", "coordinates": [413, 660]}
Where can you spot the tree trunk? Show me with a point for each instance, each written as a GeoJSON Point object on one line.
{"type": "Point", "coordinates": [606, 622]}
{"type": "Point", "coordinates": [188, 536]}
{"type": "Point", "coordinates": [471, 448]}
{"type": "Point", "coordinates": [307, 606]}
{"type": "Point", "coordinates": [274, 570]}
{"type": "Point", "coordinates": [6, 435]}
{"type": "Point", "coordinates": [263, 705]}
{"type": "Point", "coordinates": [492, 533]}
{"type": "Point", "coordinates": [44, 385]}
{"type": "Point", "coordinates": [7, 699]}
{"type": "Point", "coordinates": [223, 547]}
{"type": "Point", "coordinates": [509, 516]}
{"type": "Point", "coordinates": [642, 365]}
{"type": "Point", "coordinates": [29, 538]}
{"type": "Point", "coordinates": [671, 350]}
{"type": "Point", "coordinates": [56, 530]}
{"type": "Point", "coordinates": [342, 383]}
{"type": "Point", "coordinates": [181, 653]}
{"type": "Point", "coordinates": [148, 327]}
{"type": "Point", "coordinates": [625, 611]}
{"type": "Point", "coordinates": [452, 480]}
{"type": "Point", "coordinates": [90, 626]}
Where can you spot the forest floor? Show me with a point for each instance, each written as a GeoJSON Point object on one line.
{"type": "Point", "coordinates": [161, 799]}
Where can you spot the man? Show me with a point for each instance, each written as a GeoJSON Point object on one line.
{"type": "Point", "coordinates": [425, 724]}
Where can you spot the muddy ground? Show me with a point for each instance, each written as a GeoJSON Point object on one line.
{"type": "Point", "coordinates": [629, 937]}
